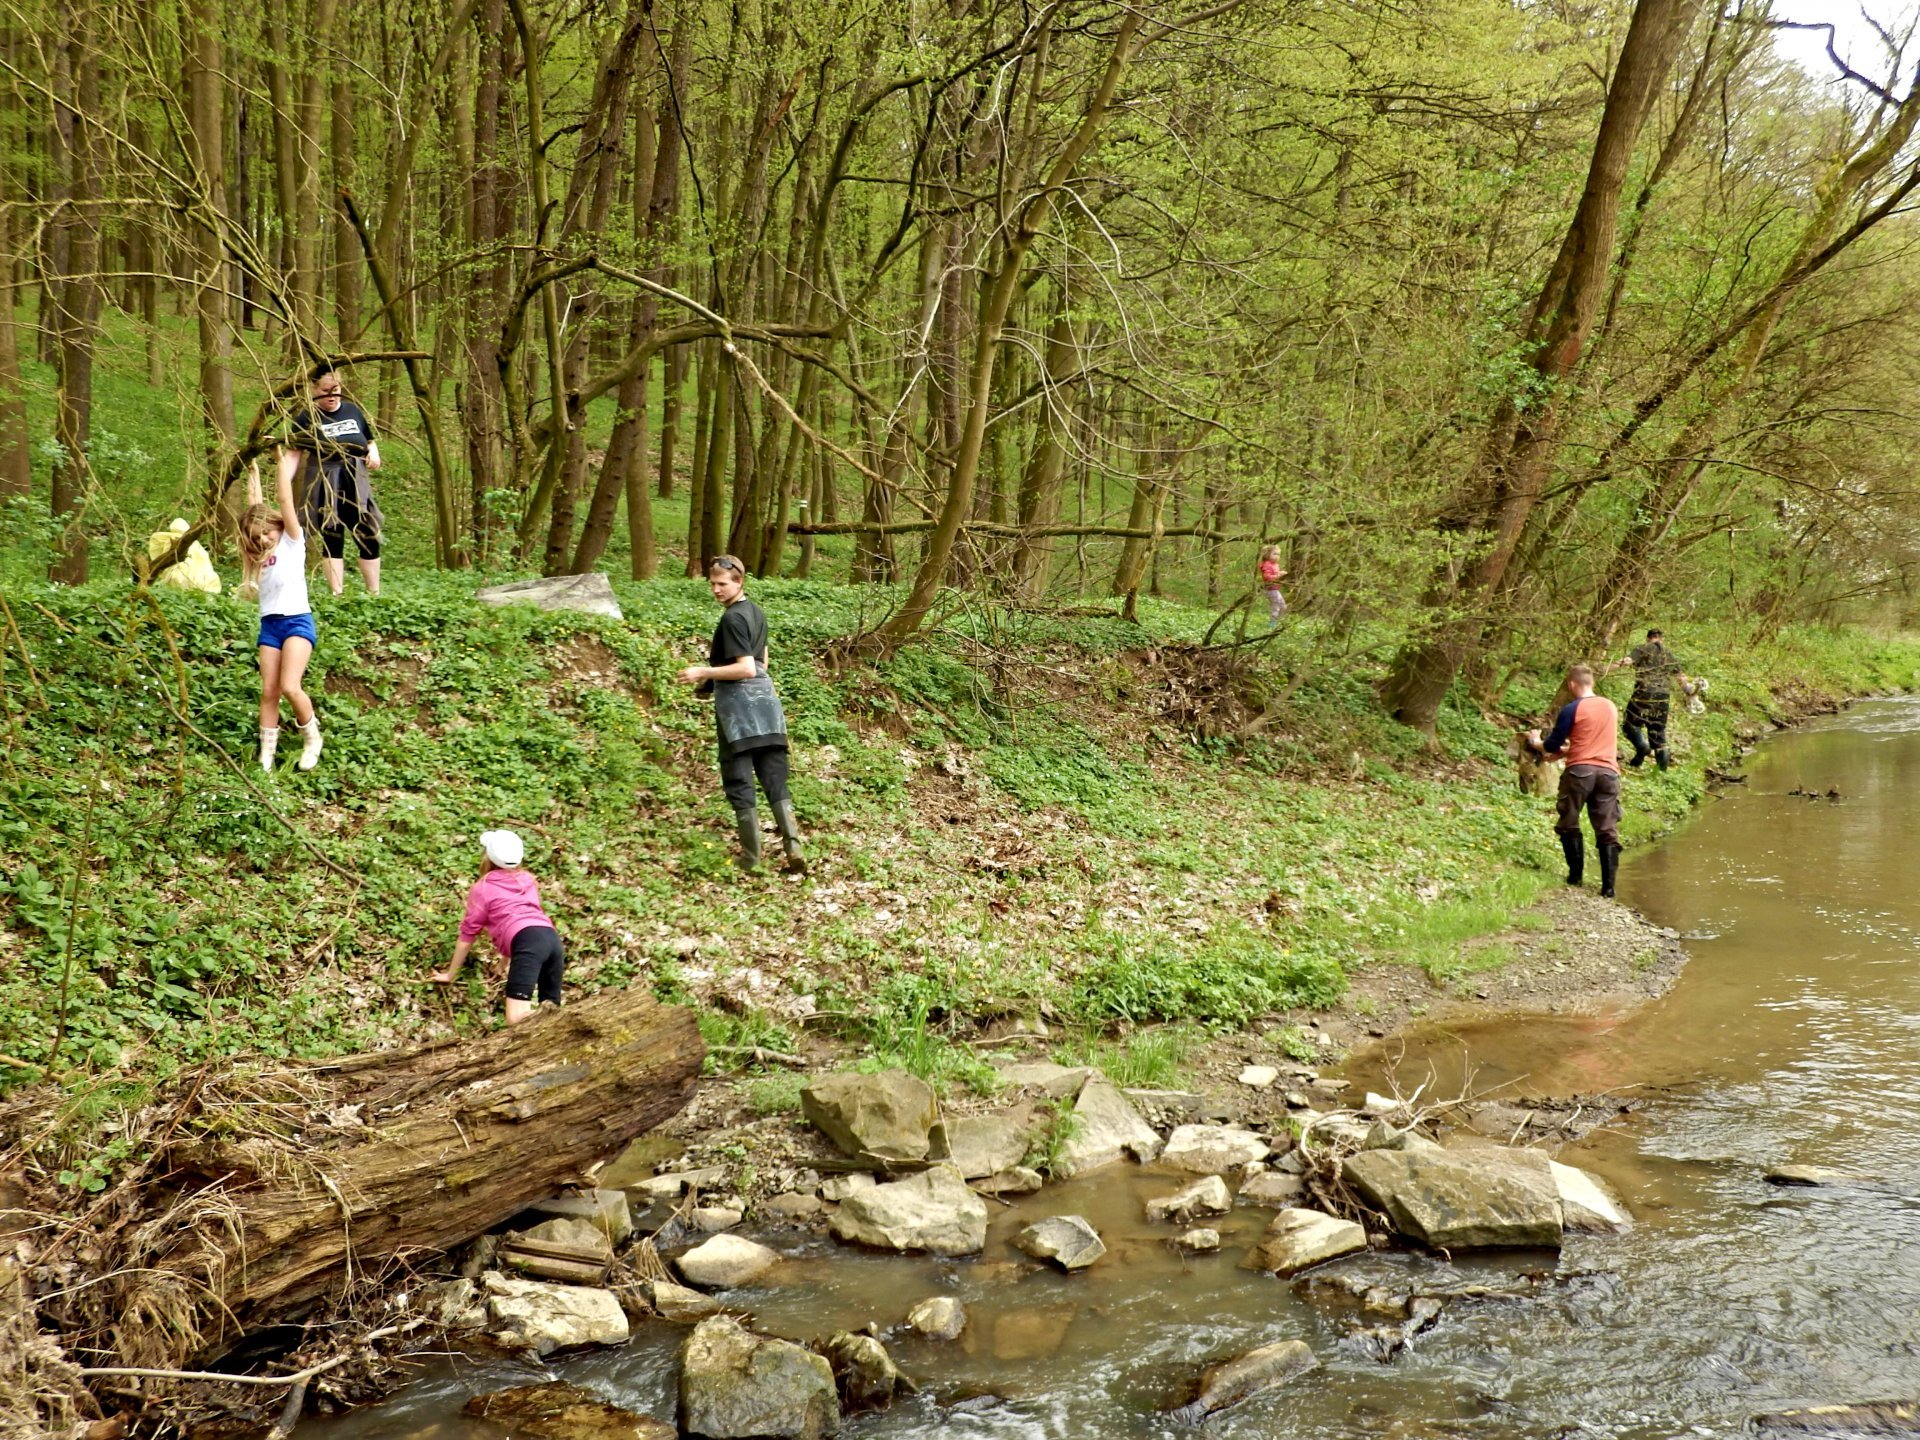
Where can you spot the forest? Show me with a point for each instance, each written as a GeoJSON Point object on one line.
{"type": "Point", "coordinates": [1508, 320]}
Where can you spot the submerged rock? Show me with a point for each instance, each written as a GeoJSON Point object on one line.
{"type": "Point", "coordinates": [1299, 1238]}
{"type": "Point", "coordinates": [1212, 1149]}
{"type": "Point", "coordinates": [559, 1411]}
{"type": "Point", "coordinates": [1208, 1196]}
{"type": "Point", "coordinates": [941, 1318]}
{"type": "Point", "coordinates": [886, 1116]}
{"type": "Point", "coordinates": [1481, 1200]}
{"type": "Point", "coordinates": [679, 1304]}
{"type": "Point", "coordinates": [1198, 1241]}
{"type": "Point", "coordinates": [726, 1261]}
{"type": "Point", "coordinates": [1251, 1374]}
{"type": "Point", "coordinates": [1106, 1129]}
{"type": "Point", "coordinates": [1812, 1175]}
{"type": "Point", "coordinates": [537, 1316]}
{"type": "Point", "coordinates": [1067, 1240]}
{"type": "Point", "coordinates": [1587, 1204]}
{"type": "Point", "coordinates": [1875, 1417]}
{"type": "Point", "coordinates": [933, 1211]}
{"type": "Point", "coordinates": [1032, 1333]}
{"type": "Point", "coordinates": [735, 1384]}
{"type": "Point", "coordinates": [867, 1377]}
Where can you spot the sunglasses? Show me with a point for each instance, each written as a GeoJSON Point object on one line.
{"type": "Point", "coordinates": [727, 562]}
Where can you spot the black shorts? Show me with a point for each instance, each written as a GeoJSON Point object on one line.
{"type": "Point", "coordinates": [536, 962]}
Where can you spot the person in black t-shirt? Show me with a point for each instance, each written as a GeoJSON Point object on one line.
{"type": "Point", "coordinates": [330, 443]}
{"type": "Point", "coordinates": [750, 727]}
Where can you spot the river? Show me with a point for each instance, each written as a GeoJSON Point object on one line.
{"type": "Point", "coordinates": [1793, 1035]}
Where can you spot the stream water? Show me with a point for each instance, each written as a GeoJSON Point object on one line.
{"type": "Point", "coordinates": [1792, 1035]}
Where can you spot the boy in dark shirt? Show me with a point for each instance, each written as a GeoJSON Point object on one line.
{"type": "Point", "coordinates": [331, 440]}
{"type": "Point", "coordinates": [750, 727]}
{"type": "Point", "coordinates": [1654, 670]}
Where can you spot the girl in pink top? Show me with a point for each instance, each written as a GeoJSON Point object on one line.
{"type": "Point", "coordinates": [505, 902]}
{"type": "Point", "coordinates": [1270, 573]}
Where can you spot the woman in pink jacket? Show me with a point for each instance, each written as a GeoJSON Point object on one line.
{"type": "Point", "coordinates": [505, 902]}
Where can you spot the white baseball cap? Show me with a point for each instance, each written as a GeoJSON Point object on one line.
{"type": "Point", "coordinates": [503, 848]}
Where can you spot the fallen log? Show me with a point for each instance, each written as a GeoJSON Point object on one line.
{"type": "Point", "coordinates": [285, 1188]}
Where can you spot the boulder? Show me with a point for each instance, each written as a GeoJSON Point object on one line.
{"type": "Point", "coordinates": [982, 1145]}
{"type": "Point", "coordinates": [867, 1377]}
{"type": "Point", "coordinates": [571, 1233]}
{"type": "Point", "coordinates": [941, 1318]}
{"type": "Point", "coordinates": [1208, 1196]}
{"type": "Point", "coordinates": [932, 1211]}
{"type": "Point", "coordinates": [606, 1210]}
{"type": "Point", "coordinates": [713, 1219]}
{"type": "Point", "coordinates": [1212, 1149]}
{"type": "Point", "coordinates": [839, 1187]}
{"type": "Point", "coordinates": [884, 1116]}
{"type": "Point", "coordinates": [589, 594]}
{"type": "Point", "coordinates": [559, 1411]}
{"type": "Point", "coordinates": [1198, 1241]}
{"type": "Point", "coordinates": [1067, 1240]}
{"type": "Point", "coordinates": [1299, 1238]}
{"type": "Point", "coordinates": [1259, 1077]}
{"type": "Point", "coordinates": [735, 1384]}
{"type": "Point", "coordinates": [1241, 1379]}
{"type": "Point", "coordinates": [537, 1316]}
{"type": "Point", "coordinates": [1056, 1082]}
{"type": "Point", "coordinates": [1106, 1128]}
{"type": "Point", "coordinates": [1017, 1181]}
{"type": "Point", "coordinates": [790, 1206]}
{"type": "Point", "coordinates": [1481, 1200]}
{"type": "Point", "coordinates": [1587, 1203]}
{"type": "Point", "coordinates": [1274, 1188]}
{"type": "Point", "coordinates": [726, 1261]}
{"type": "Point", "coordinates": [679, 1304]}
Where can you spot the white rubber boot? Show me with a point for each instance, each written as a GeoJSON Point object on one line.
{"type": "Point", "coordinates": [269, 742]}
{"type": "Point", "coordinates": [310, 750]}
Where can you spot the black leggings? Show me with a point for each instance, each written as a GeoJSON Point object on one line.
{"type": "Point", "coordinates": [537, 960]}
{"type": "Point", "coordinates": [739, 767]}
{"type": "Point", "coordinates": [340, 514]}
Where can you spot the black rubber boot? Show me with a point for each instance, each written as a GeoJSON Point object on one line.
{"type": "Point", "coordinates": [784, 817]}
{"type": "Point", "coordinates": [1609, 869]}
{"type": "Point", "coordinates": [1574, 845]}
{"type": "Point", "coordinates": [747, 822]}
{"type": "Point", "coordinates": [1660, 755]}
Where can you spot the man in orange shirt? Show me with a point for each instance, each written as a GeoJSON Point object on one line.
{"type": "Point", "coordinates": [1586, 734]}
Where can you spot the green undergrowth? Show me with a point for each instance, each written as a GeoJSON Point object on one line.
{"type": "Point", "coordinates": [1010, 818]}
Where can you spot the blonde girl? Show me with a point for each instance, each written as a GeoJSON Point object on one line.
{"type": "Point", "coordinates": [275, 549]}
{"type": "Point", "coordinates": [1269, 574]}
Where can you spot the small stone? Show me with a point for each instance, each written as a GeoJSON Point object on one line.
{"type": "Point", "coordinates": [569, 1233]}
{"type": "Point", "coordinates": [713, 1219]}
{"type": "Point", "coordinates": [941, 1318]}
{"type": "Point", "coordinates": [534, 1315]}
{"type": "Point", "coordinates": [1297, 1100]}
{"type": "Point", "coordinates": [1198, 1241]}
{"type": "Point", "coordinates": [1017, 1181]}
{"type": "Point", "coordinates": [679, 1304]}
{"type": "Point", "coordinates": [1331, 1086]}
{"type": "Point", "coordinates": [726, 1261]}
{"type": "Point", "coordinates": [867, 1377]}
{"type": "Point", "coordinates": [1208, 1196]}
{"type": "Point", "coordinates": [1273, 1188]}
{"type": "Point", "coordinates": [559, 1411]}
{"type": "Point", "coordinates": [839, 1187]}
{"type": "Point", "coordinates": [791, 1206]}
{"type": "Point", "coordinates": [1383, 1105]}
{"type": "Point", "coordinates": [1067, 1240]}
{"type": "Point", "coordinates": [1259, 1077]}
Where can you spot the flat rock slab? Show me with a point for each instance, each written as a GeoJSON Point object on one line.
{"type": "Point", "coordinates": [589, 594]}
{"type": "Point", "coordinates": [735, 1384]}
{"type": "Point", "coordinates": [884, 1116]}
{"type": "Point", "coordinates": [1587, 1204]}
{"type": "Point", "coordinates": [1201, 1240]}
{"type": "Point", "coordinates": [1212, 1149]}
{"type": "Point", "coordinates": [571, 1233]}
{"type": "Point", "coordinates": [1274, 1188]}
{"type": "Point", "coordinates": [1107, 1129]}
{"type": "Point", "coordinates": [679, 1304]}
{"type": "Point", "coordinates": [1251, 1374]}
{"type": "Point", "coordinates": [726, 1261]}
{"type": "Point", "coordinates": [1207, 1196]}
{"type": "Point", "coordinates": [982, 1145]}
{"type": "Point", "coordinates": [607, 1210]}
{"type": "Point", "coordinates": [537, 1316]}
{"type": "Point", "coordinates": [1056, 1082]}
{"type": "Point", "coordinates": [1017, 1181]}
{"type": "Point", "coordinates": [559, 1411]}
{"type": "Point", "coordinates": [1259, 1077]}
{"type": "Point", "coordinates": [1814, 1175]}
{"type": "Point", "coordinates": [1069, 1241]}
{"type": "Point", "coordinates": [932, 1211]}
{"type": "Point", "coordinates": [1474, 1201]}
{"type": "Point", "coordinates": [1299, 1238]}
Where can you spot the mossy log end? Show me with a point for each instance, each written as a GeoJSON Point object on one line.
{"type": "Point", "coordinates": [402, 1153]}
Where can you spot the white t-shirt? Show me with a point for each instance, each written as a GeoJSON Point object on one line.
{"type": "Point", "coordinates": [283, 578]}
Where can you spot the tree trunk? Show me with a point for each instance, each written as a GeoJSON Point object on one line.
{"type": "Point", "coordinates": [449, 1140]}
{"type": "Point", "coordinates": [16, 460]}
{"type": "Point", "coordinates": [74, 150]}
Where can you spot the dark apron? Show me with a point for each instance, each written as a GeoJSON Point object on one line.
{"type": "Point", "coordinates": [328, 482]}
{"type": "Point", "coordinates": [747, 713]}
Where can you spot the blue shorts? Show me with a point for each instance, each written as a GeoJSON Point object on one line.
{"type": "Point", "coordinates": [276, 630]}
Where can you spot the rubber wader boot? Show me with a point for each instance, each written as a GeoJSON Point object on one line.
{"type": "Point", "coordinates": [1609, 869]}
{"type": "Point", "coordinates": [747, 822]}
{"type": "Point", "coordinates": [1661, 756]}
{"type": "Point", "coordinates": [1574, 844]}
{"type": "Point", "coordinates": [784, 817]}
{"type": "Point", "coordinates": [269, 742]}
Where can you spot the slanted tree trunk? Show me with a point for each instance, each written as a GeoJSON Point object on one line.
{"type": "Point", "coordinates": [442, 1142]}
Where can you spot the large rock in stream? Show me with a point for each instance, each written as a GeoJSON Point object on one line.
{"type": "Point", "coordinates": [1297, 1239]}
{"type": "Point", "coordinates": [933, 1211]}
{"type": "Point", "coordinates": [735, 1384]}
{"type": "Point", "coordinates": [534, 1315]}
{"type": "Point", "coordinates": [1106, 1129]}
{"type": "Point", "coordinates": [1249, 1375]}
{"type": "Point", "coordinates": [1067, 1240]}
{"type": "Point", "coordinates": [1587, 1204]}
{"type": "Point", "coordinates": [559, 1411]}
{"type": "Point", "coordinates": [1483, 1199]}
{"type": "Point", "coordinates": [883, 1117]}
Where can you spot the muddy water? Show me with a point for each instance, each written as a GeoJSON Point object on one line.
{"type": "Point", "coordinates": [1793, 1035]}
